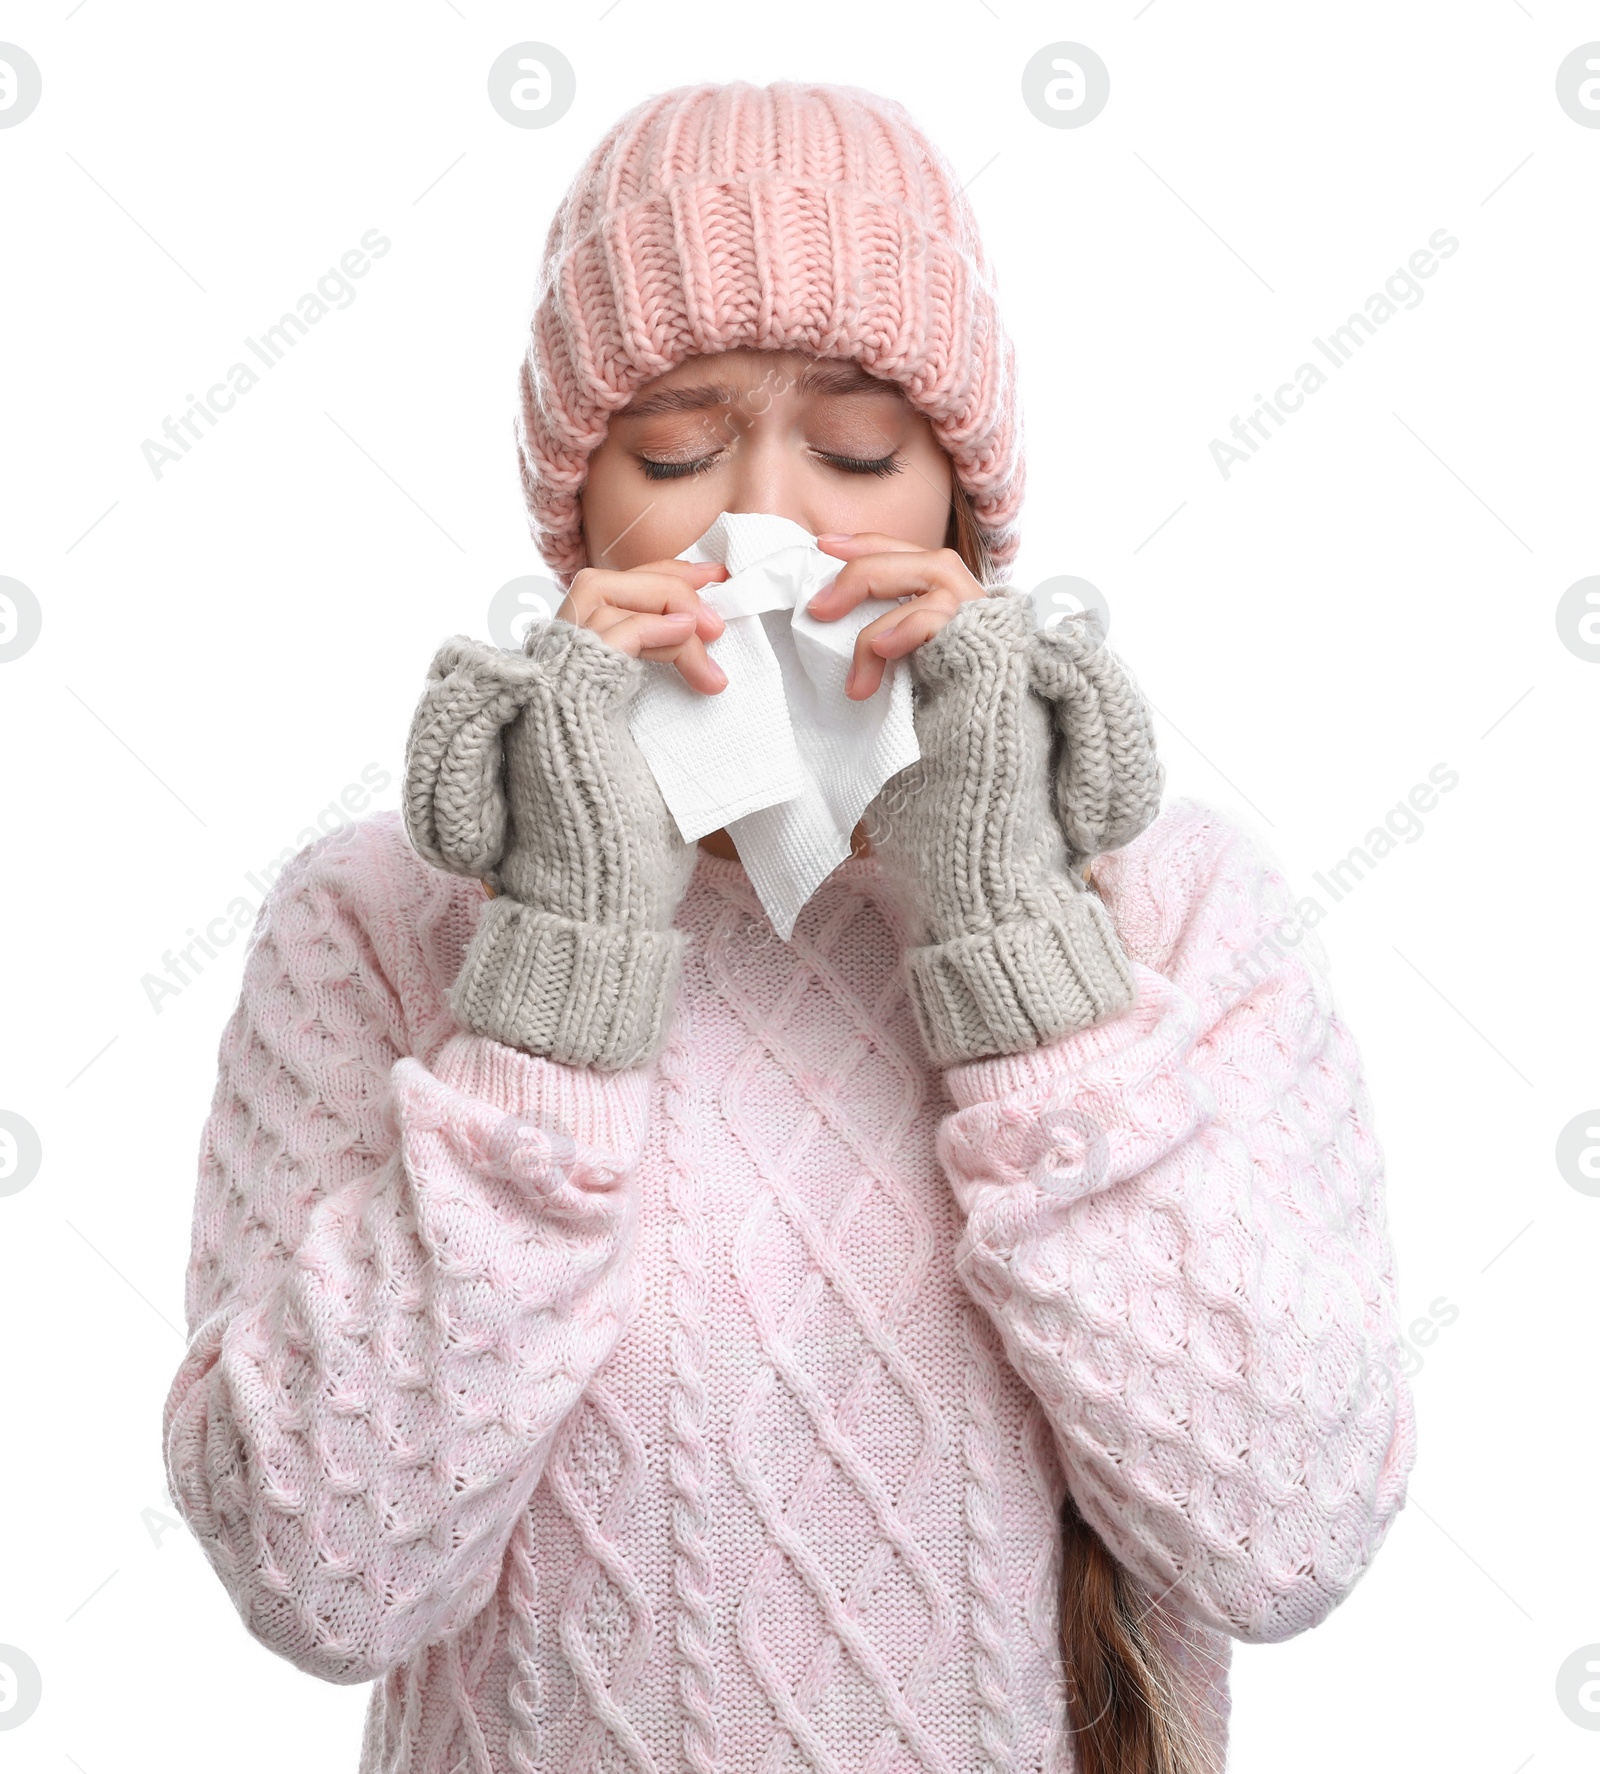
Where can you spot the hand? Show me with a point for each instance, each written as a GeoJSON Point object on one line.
{"type": "Point", "coordinates": [1008, 948]}
{"type": "Point", "coordinates": [653, 612]}
{"type": "Point", "coordinates": [1109, 777]}
{"type": "Point", "coordinates": [521, 771]}
{"type": "Point", "coordinates": [934, 581]}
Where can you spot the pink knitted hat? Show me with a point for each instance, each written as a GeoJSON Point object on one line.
{"type": "Point", "coordinates": [781, 217]}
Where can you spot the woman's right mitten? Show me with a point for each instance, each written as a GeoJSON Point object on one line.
{"type": "Point", "coordinates": [521, 771]}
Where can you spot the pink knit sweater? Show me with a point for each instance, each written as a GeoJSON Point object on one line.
{"type": "Point", "coordinates": [716, 1415]}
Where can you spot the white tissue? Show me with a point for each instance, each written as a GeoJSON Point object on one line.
{"type": "Point", "coordinates": [780, 756]}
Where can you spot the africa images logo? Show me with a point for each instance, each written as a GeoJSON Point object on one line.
{"type": "Point", "coordinates": [334, 289]}
{"type": "Point", "coordinates": [1401, 289]}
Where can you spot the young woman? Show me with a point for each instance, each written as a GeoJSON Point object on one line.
{"type": "Point", "coordinates": [636, 1342]}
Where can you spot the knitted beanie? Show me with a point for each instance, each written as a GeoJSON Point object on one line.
{"type": "Point", "coordinates": [783, 217]}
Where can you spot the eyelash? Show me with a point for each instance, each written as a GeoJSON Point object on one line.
{"type": "Point", "coordinates": [674, 470]}
{"type": "Point", "coordinates": [890, 464]}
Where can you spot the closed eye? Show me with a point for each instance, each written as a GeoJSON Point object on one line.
{"type": "Point", "coordinates": [890, 464]}
{"type": "Point", "coordinates": [675, 470]}
{"type": "Point", "coordinates": [893, 463]}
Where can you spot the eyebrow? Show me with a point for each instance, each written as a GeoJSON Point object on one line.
{"type": "Point", "coordinates": [821, 376]}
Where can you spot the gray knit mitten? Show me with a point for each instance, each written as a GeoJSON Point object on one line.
{"type": "Point", "coordinates": [1010, 948]}
{"type": "Point", "coordinates": [1109, 778]}
{"type": "Point", "coordinates": [521, 771]}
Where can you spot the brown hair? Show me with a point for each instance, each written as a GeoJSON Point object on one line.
{"type": "Point", "coordinates": [963, 535]}
{"type": "Point", "coordinates": [1125, 1699]}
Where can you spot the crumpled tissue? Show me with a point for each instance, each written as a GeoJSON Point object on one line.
{"type": "Point", "coordinates": [780, 756]}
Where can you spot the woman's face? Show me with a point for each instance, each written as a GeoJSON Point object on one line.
{"type": "Point", "coordinates": [817, 440]}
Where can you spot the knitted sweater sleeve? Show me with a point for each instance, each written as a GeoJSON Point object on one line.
{"type": "Point", "coordinates": [403, 1275]}
{"type": "Point", "coordinates": [1176, 1220]}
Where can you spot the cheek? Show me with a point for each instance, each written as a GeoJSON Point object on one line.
{"type": "Point", "coordinates": [605, 485]}
{"type": "Point", "coordinates": [913, 504]}
{"type": "Point", "coordinates": [629, 521]}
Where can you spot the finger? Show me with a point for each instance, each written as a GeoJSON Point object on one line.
{"type": "Point", "coordinates": [853, 548]}
{"type": "Point", "coordinates": [665, 639]}
{"type": "Point", "coordinates": [682, 568]}
{"type": "Point", "coordinates": [697, 575]}
{"type": "Point", "coordinates": [859, 542]}
{"type": "Point", "coordinates": [895, 573]}
{"type": "Point", "coordinates": [660, 587]}
{"type": "Point", "coordinates": [593, 590]}
{"type": "Point", "coordinates": [642, 633]}
{"type": "Point", "coordinates": [650, 591]}
{"type": "Point", "coordinates": [698, 669]}
{"type": "Point", "coordinates": [892, 636]}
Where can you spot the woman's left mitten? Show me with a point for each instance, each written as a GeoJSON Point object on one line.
{"type": "Point", "coordinates": [1009, 947]}
{"type": "Point", "coordinates": [1109, 777]}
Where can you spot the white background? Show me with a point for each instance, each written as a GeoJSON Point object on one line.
{"type": "Point", "coordinates": [226, 647]}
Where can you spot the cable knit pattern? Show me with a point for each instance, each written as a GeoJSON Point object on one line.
{"type": "Point", "coordinates": [789, 217]}
{"type": "Point", "coordinates": [715, 1414]}
{"type": "Point", "coordinates": [1177, 1220]}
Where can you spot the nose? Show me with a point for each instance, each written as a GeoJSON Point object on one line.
{"type": "Point", "coordinates": [768, 475]}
